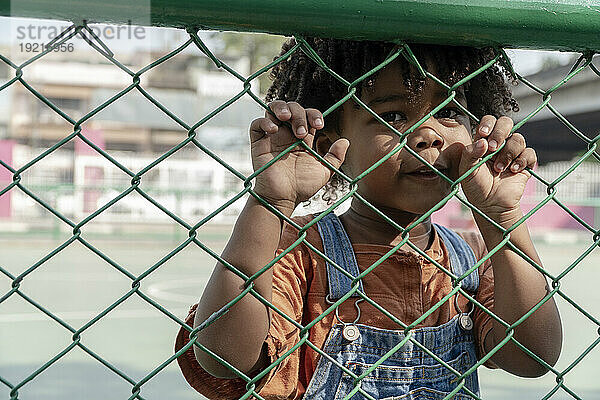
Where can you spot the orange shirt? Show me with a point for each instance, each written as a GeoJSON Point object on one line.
{"type": "Point", "coordinates": [406, 284]}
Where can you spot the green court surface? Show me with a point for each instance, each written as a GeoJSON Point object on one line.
{"type": "Point", "coordinates": [77, 285]}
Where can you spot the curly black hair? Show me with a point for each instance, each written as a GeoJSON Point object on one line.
{"type": "Point", "coordinates": [300, 79]}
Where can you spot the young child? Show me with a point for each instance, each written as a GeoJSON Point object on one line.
{"type": "Point", "coordinates": [303, 285]}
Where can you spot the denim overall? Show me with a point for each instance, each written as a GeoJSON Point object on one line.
{"type": "Point", "coordinates": [410, 373]}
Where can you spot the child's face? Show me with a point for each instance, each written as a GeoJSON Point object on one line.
{"type": "Point", "coordinates": [439, 140]}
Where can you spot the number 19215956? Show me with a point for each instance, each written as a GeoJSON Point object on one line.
{"type": "Point", "coordinates": [35, 47]}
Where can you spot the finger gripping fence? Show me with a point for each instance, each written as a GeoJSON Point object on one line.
{"type": "Point", "coordinates": [403, 50]}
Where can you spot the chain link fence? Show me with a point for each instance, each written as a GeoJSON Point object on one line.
{"type": "Point", "coordinates": [189, 136]}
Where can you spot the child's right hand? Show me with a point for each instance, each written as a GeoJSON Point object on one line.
{"type": "Point", "coordinates": [297, 176]}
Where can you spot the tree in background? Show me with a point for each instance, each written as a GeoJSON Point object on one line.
{"type": "Point", "coordinates": [260, 49]}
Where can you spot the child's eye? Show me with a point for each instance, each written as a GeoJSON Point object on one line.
{"type": "Point", "coordinates": [393, 117]}
{"type": "Point", "coordinates": [449, 113]}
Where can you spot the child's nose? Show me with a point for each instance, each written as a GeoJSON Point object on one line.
{"type": "Point", "coordinates": [424, 137]}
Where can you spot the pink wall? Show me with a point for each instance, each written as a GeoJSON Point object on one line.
{"type": "Point", "coordinates": [551, 216]}
{"type": "Point", "coordinates": [6, 155]}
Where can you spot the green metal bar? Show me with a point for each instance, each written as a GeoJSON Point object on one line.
{"type": "Point", "coordinates": [560, 25]}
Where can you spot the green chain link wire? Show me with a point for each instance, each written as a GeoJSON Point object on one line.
{"type": "Point", "coordinates": [402, 49]}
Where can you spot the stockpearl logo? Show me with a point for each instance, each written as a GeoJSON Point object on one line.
{"type": "Point", "coordinates": [47, 33]}
{"type": "Point", "coordinates": [36, 36]}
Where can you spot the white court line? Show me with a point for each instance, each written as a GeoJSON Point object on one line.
{"type": "Point", "coordinates": [161, 290]}
{"type": "Point", "coordinates": [88, 315]}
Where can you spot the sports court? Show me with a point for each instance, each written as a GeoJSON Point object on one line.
{"type": "Point", "coordinates": [76, 285]}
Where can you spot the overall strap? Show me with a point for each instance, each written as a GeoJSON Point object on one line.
{"type": "Point", "coordinates": [338, 248]}
{"type": "Point", "coordinates": [461, 257]}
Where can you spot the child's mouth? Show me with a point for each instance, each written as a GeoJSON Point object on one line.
{"type": "Point", "coordinates": [426, 175]}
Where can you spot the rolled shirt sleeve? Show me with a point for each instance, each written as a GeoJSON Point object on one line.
{"type": "Point", "coordinates": [290, 280]}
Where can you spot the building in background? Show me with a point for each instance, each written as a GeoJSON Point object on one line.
{"type": "Point", "coordinates": [577, 100]}
{"type": "Point", "coordinates": [76, 180]}
{"type": "Point", "coordinates": [5, 101]}
{"type": "Point", "coordinates": [188, 85]}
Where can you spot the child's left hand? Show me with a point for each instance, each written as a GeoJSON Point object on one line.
{"type": "Point", "coordinates": [496, 187]}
